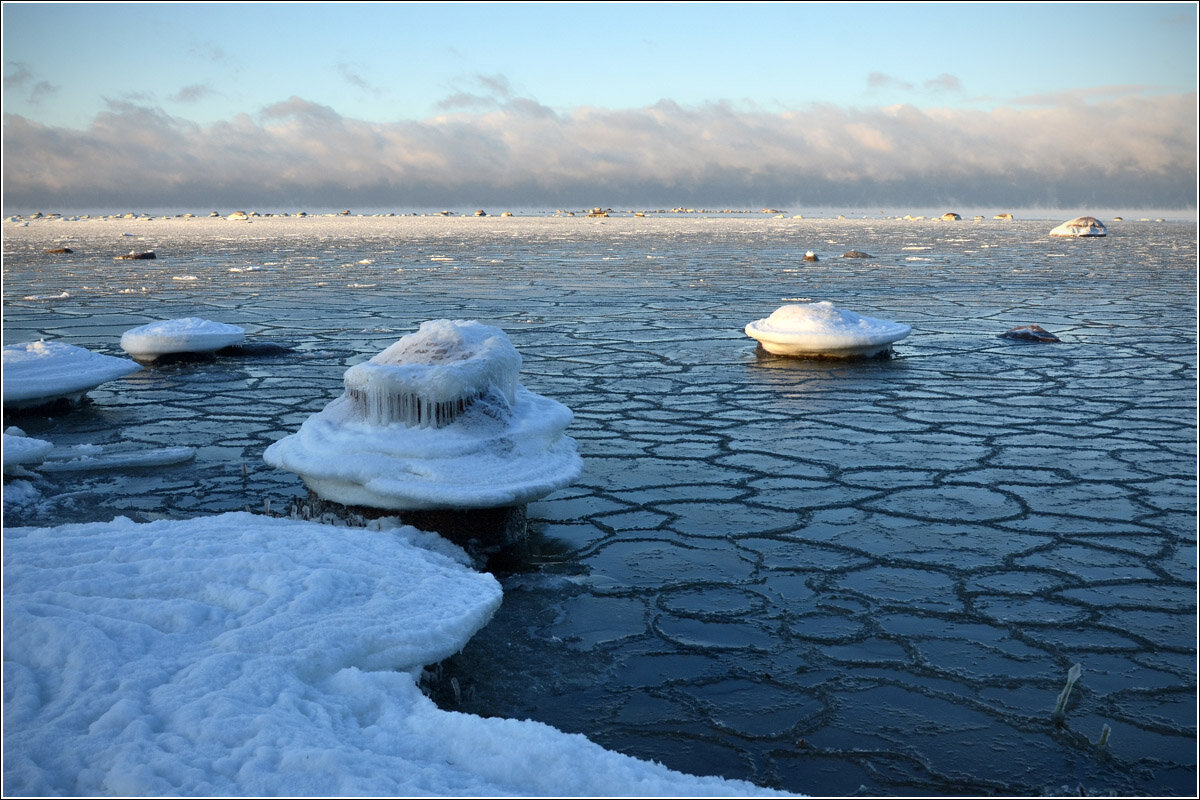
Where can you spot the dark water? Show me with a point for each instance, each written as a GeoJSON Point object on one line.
{"type": "Point", "coordinates": [825, 577]}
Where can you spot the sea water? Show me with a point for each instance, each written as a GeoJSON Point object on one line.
{"type": "Point", "coordinates": [828, 577]}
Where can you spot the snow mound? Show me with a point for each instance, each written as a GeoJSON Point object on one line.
{"type": "Point", "coordinates": [821, 330]}
{"type": "Point", "coordinates": [20, 450]}
{"type": "Point", "coordinates": [36, 373]}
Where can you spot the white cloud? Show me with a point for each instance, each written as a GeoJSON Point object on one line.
{"type": "Point", "coordinates": [1131, 151]}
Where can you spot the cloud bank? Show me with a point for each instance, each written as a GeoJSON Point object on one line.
{"type": "Point", "coordinates": [1131, 152]}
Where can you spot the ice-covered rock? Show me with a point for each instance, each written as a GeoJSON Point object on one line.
{"type": "Point", "coordinates": [817, 330]}
{"type": "Point", "coordinates": [436, 421]}
{"type": "Point", "coordinates": [37, 373]}
{"type": "Point", "coordinates": [173, 336]}
{"type": "Point", "coordinates": [1081, 226]}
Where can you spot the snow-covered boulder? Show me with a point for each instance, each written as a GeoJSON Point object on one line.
{"type": "Point", "coordinates": [38, 373]}
{"type": "Point", "coordinates": [816, 330]}
{"type": "Point", "coordinates": [436, 421]}
{"type": "Point", "coordinates": [174, 336]}
{"type": "Point", "coordinates": [1081, 226]}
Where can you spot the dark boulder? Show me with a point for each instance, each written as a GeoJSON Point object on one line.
{"type": "Point", "coordinates": [136, 256]}
{"type": "Point", "coordinates": [856, 254]}
{"type": "Point", "coordinates": [1030, 333]}
{"type": "Point", "coordinates": [58, 251]}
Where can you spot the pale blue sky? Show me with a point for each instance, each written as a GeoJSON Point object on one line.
{"type": "Point", "coordinates": [611, 103]}
{"type": "Point", "coordinates": [382, 62]}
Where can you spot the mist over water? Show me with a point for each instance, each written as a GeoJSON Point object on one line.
{"type": "Point", "coordinates": [826, 577]}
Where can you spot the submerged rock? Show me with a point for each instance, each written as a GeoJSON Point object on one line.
{"type": "Point", "coordinates": [58, 251]}
{"type": "Point", "coordinates": [133, 255]}
{"type": "Point", "coordinates": [1030, 333]}
{"type": "Point", "coordinates": [856, 254]}
{"type": "Point", "coordinates": [1080, 226]}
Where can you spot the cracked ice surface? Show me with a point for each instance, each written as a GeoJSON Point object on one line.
{"type": "Point", "coordinates": [813, 575]}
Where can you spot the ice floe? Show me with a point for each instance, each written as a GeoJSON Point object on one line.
{"type": "Point", "coordinates": [243, 655]}
{"type": "Point", "coordinates": [1081, 226]}
{"type": "Point", "coordinates": [37, 373]}
{"type": "Point", "coordinates": [176, 336]}
{"type": "Point", "coordinates": [95, 458]}
{"type": "Point", "coordinates": [821, 330]}
{"type": "Point", "coordinates": [436, 421]}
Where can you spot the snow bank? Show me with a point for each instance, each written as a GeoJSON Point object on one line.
{"type": "Point", "coordinates": [187, 335]}
{"type": "Point", "coordinates": [436, 421]}
{"type": "Point", "coordinates": [36, 373]}
{"type": "Point", "coordinates": [820, 329]}
{"type": "Point", "coordinates": [244, 655]}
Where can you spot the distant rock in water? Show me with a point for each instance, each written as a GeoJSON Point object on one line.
{"type": "Point", "coordinates": [1081, 226]}
{"type": "Point", "coordinates": [856, 254]}
{"type": "Point", "coordinates": [811, 256]}
{"type": "Point", "coordinates": [950, 216]}
{"type": "Point", "coordinates": [133, 255]}
{"type": "Point", "coordinates": [1030, 333]}
{"type": "Point", "coordinates": [57, 251]}
{"type": "Point", "coordinates": [1003, 216]}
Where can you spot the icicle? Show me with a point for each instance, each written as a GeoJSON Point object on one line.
{"type": "Point", "coordinates": [430, 378]}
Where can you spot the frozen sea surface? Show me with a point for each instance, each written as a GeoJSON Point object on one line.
{"type": "Point", "coordinates": [821, 577]}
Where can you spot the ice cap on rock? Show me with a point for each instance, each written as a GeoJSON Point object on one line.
{"type": "Point", "coordinates": [436, 421]}
{"type": "Point", "coordinates": [821, 330]}
{"type": "Point", "coordinates": [172, 336]}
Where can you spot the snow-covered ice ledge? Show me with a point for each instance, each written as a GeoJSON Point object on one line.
{"type": "Point", "coordinates": [244, 655]}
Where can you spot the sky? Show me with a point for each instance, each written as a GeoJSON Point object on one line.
{"type": "Point", "coordinates": [427, 104]}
